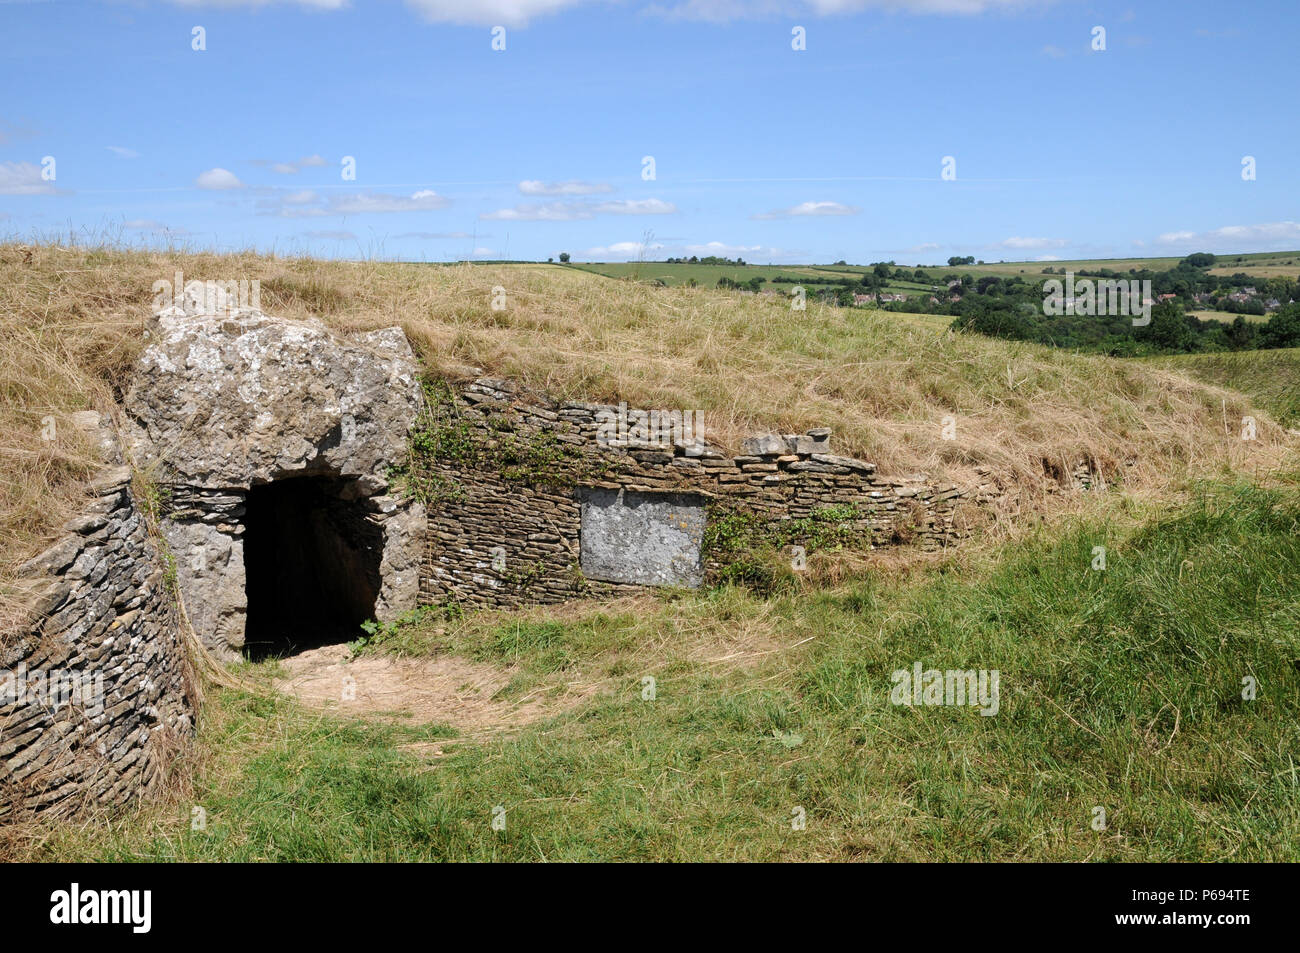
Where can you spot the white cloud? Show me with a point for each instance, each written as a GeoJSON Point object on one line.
{"type": "Point", "coordinates": [625, 250]}
{"type": "Point", "coordinates": [549, 212]}
{"type": "Point", "coordinates": [637, 207]}
{"type": "Point", "coordinates": [518, 13]}
{"type": "Point", "coordinates": [572, 211]}
{"type": "Point", "coordinates": [23, 178]}
{"type": "Point", "coordinates": [812, 209]}
{"type": "Point", "coordinates": [488, 12]}
{"type": "Point", "coordinates": [1029, 244]}
{"type": "Point", "coordinates": [719, 11]}
{"type": "Point", "coordinates": [218, 179]}
{"type": "Point", "coordinates": [122, 152]}
{"type": "Point", "coordinates": [1280, 236]}
{"type": "Point", "coordinates": [572, 187]}
{"type": "Point", "coordinates": [332, 236]}
{"type": "Point", "coordinates": [732, 251]}
{"type": "Point", "coordinates": [365, 202]}
{"type": "Point", "coordinates": [307, 203]}
{"type": "Point", "coordinates": [1055, 52]}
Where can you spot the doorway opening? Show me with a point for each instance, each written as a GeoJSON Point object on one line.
{"type": "Point", "coordinates": [311, 562]}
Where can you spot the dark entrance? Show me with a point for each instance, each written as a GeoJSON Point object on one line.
{"type": "Point", "coordinates": [311, 562]}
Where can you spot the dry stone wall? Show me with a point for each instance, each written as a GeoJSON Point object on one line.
{"type": "Point", "coordinates": [515, 477]}
{"type": "Point", "coordinates": [96, 696]}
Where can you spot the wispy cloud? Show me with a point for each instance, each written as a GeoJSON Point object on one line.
{"type": "Point", "coordinates": [573, 211]}
{"type": "Point", "coordinates": [811, 209]}
{"type": "Point", "coordinates": [1281, 235]}
{"type": "Point", "coordinates": [572, 187]}
{"type": "Point", "coordinates": [290, 168]}
{"type": "Point", "coordinates": [23, 178]}
{"type": "Point", "coordinates": [361, 203]}
{"type": "Point", "coordinates": [307, 203]}
{"type": "Point", "coordinates": [122, 152]}
{"type": "Point", "coordinates": [722, 11]}
{"type": "Point", "coordinates": [1031, 244]}
{"type": "Point", "coordinates": [13, 132]}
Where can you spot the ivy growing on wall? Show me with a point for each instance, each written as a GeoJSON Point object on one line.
{"type": "Point", "coordinates": [443, 438]}
{"type": "Point", "coordinates": [751, 545]}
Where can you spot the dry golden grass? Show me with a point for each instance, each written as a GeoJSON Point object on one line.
{"type": "Point", "coordinates": [72, 322]}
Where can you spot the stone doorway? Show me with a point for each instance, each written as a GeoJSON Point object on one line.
{"type": "Point", "coordinates": [312, 565]}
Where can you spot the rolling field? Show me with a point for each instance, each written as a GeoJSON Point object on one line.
{"type": "Point", "coordinates": [1259, 265]}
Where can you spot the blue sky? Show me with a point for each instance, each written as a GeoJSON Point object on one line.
{"type": "Point", "coordinates": [775, 154]}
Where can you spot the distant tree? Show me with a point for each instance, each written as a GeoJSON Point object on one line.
{"type": "Point", "coordinates": [564, 256]}
{"type": "Point", "coordinates": [880, 269]}
{"type": "Point", "coordinates": [1168, 329]}
{"type": "Point", "coordinates": [1283, 329]}
{"type": "Point", "coordinates": [1202, 259]}
{"type": "Point", "coordinates": [841, 262]}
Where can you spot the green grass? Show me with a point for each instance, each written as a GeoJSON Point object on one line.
{"type": "Point", "coordinates": [1270, 378]}
{"type": "Point", "coordinates": [1120, 688]}
{"type": "Point", "coordinates": [674, 273]}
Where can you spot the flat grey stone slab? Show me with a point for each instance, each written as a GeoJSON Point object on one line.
{"type": "Point", "coordinates": [647, 539]}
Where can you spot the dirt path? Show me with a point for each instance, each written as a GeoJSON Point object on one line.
{"type": "Point", "coordinates": [443, 689]}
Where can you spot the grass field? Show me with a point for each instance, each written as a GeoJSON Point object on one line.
{"type": "Point", "coordinates": [674, 273]}
{"type": "Point", "coordinates": [1120, 689]}
{"type": "Point", "coordinates": [1227, 317]}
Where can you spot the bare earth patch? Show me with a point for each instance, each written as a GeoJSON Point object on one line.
{"type": "Point", "coordinates": [441, 689]}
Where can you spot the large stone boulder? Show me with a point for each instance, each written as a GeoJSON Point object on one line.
{"type": "Point", "coordinates": [224, 401]}
{"type": "Point", "coordinates": [228, 401]}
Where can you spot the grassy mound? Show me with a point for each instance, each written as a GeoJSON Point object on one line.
{"type": "Point", "coordinates": [1270, 378]}
{"type": "Point", "coordinates": [73, 320]}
